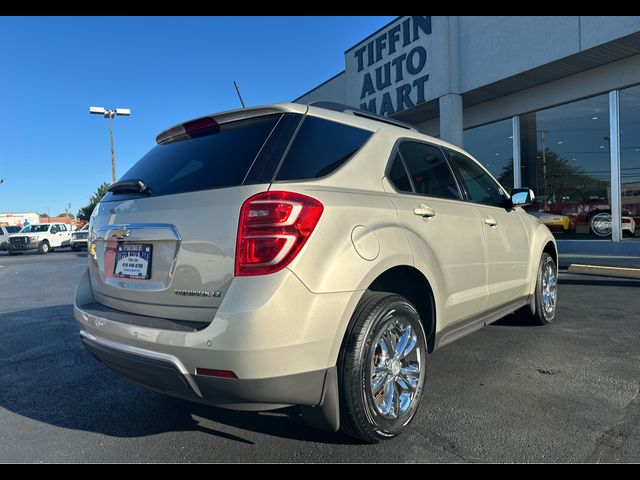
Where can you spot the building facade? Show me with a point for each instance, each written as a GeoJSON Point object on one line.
{"type": "Point", "coordinates": [550, 103]}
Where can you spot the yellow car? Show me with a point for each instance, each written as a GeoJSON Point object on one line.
{"type": "Point", "coordinates": [554, 221]}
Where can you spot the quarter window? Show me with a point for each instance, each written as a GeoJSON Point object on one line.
{"type": "Point", "coordinates": [321, 147]}
{"type": "Point", "coordinates": [429, 170]}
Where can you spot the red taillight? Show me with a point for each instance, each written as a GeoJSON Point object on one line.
{"type": "Point", "coordinates": [273, 228]}
{"type": "Point", "coordinates": [626, 220]}
{"type": "Point", "coordinates": [210, 372]}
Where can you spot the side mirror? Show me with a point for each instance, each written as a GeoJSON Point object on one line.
{"type": "Point", "coordinates": [54, 230]}
{"type": "Point", "coordinates": [521, 197]}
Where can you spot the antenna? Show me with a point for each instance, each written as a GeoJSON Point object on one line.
{"type": "Point", "coordinates": [239, 96]}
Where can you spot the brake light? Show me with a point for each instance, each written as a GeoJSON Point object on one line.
{"type": "Point", "coordinates": [273, 228]}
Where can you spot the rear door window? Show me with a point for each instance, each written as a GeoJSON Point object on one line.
{"type": "Point", "coordinates": [398, 175]}
{"type": "Point", "coordinates": [429, 170]}
{"type": "Point", "coordinates": [320, 147]}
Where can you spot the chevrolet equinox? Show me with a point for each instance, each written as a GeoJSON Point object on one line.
{"type": "Point", "coordinates": [305, 255]}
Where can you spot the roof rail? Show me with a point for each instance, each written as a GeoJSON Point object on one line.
{"type": "Point", "coordinates": [339, 107]}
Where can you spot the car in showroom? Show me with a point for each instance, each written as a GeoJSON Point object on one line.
{"type": "Point", "coordinates": [555, 222]}
{"type": "Point", "coordinates": [79, 238]}
{"type": "Point", "coordinates": [42, 237]}
{"type": "Point", "coordinates": [306, 255]}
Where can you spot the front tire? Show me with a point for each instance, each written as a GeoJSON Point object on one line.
{"type": "Point", "coordinates": [546, 291]}
{"type": "Point", "coordinates": [382, 368]}
{"type": "Point", "coordinates": [43, 248]}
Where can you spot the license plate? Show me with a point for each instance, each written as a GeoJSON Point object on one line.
{"type": "Point", "coordinates": [133, 261]}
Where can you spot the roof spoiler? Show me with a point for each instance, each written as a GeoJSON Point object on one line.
{"type": "Point", "coordinates": [181, 130]}
{"type": "Point", "coordinates": [339, 107]}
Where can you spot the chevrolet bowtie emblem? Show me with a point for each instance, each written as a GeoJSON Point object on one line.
{"type": "Point", "coordinates": [122, 233]}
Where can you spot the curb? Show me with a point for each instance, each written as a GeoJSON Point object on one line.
{"type": "Point", "coordinates": [619, 272]}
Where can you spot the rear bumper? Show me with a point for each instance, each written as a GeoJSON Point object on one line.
{"type": "Point", "coordinates": [280, 354]}
{"type": "Point", "coordinates": [169, 376]}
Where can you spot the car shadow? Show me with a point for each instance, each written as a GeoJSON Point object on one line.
{"type": "Point", "coordinates": [47, 376]}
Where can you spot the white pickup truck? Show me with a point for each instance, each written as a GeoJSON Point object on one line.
{"type": "Point", "coordinates": [43, 237]}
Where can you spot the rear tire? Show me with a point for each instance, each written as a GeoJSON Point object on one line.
{"type": "Point", "coordinates": [382, 368]}
{"type": "Point", "coordinates": [43, 247]}
{"type": "Point", "coordinates": [546, 291]}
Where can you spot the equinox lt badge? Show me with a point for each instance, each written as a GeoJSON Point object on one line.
{"type": "Point", "coordinates": [197, 293]}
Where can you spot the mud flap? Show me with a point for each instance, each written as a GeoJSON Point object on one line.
{"type": "Point", "coordinates": [326, 415]}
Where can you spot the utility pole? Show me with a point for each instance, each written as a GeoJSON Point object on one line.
{"type": "Point", "coordinates": [110, 114]}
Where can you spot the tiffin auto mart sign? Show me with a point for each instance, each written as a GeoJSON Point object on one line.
{"type": "Point", "coordinates": [390, 69]}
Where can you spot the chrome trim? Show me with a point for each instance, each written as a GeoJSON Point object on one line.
{"type": "Point", "coordinates": [141, 226]}
{"type": "Point", "coordinates": [164, 357]}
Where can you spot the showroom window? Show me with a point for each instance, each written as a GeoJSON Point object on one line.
{"type": "Point", "coordinates": [492, 145]}
{"type": "Point", "coordinates": [630, 161]}
{"type": "Point", "coordinates": [565, 160]}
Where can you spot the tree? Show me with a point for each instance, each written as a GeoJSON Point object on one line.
{"type": "Point", "coordinates": [85, 212]}
{"type": "Point", "coordinates": [66, 214]}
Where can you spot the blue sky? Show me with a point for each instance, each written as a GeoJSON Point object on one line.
{"type": "Point", "coordinates": [167, 70]}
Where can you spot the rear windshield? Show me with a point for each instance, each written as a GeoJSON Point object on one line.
{"type": "Point", "coordinates": [216, 159]}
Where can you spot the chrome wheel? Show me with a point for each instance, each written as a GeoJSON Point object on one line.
{"type": "Point", "coordinates": [395, 368]}
{"type": "Point", "coordinates": [549, 289]}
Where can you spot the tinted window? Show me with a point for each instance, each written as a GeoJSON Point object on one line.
{"type": "Point", "coordinates": [320, 147]}
{"type": "Point", "coordinates": [398, 175]}
{"type": "Point", "coordinates": [480, 186]}
{"type": "Point", "coordinates": [12, 229]}
{"type": "Point", "coordinates": [429, 170]}
{"type": "Point", "coordinates": [214, 158]}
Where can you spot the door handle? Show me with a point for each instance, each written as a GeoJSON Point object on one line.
{"type": "Point", "coordinates": [424, 211]}
{"type": "Point", "coordinates": [491, 221]}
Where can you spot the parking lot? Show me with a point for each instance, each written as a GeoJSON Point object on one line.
{"type": "Point", "coordinates": [567, 392]}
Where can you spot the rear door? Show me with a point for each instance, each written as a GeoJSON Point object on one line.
{"type": "Point", "coordinates": [169, 252]}
{"type": "Point", "coordinates": [504, 232]}
{"type": "Point", "coordinates": [431, 207]}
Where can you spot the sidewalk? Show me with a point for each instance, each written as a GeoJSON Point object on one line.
{"type": "Point", "coordinates": [595, 257]}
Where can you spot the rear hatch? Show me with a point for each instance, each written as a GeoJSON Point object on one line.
{"type": "Point", "coordinates": [164, 237]}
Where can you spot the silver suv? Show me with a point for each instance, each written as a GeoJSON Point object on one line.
{"type": "Point", "coordinates": [309, 256]}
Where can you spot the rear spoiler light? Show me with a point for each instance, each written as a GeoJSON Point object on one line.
{"type": "Point", "coordinates": [187, 129]}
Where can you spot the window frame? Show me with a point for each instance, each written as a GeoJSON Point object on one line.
{"type": "Point", "coordinates": [396, 150]}
{"type": "Point", "coordinates": [506, 198]}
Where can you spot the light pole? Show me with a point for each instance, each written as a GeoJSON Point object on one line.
{"type": "Point", "coordinates": [107, 113]}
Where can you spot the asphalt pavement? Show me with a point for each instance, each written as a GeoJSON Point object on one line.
{"type": "Point", "coordinates": [566, 392]}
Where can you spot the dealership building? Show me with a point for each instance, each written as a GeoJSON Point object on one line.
{"type": "Point", "coordinates": [551, 103]}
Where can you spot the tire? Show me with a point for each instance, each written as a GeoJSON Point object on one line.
{"type": "Point", "coordinates": [75, 248]}
{"type": "Point", "coordinates": [43, 247]}
{"type": "Point", "coordinates": [365, 416]}
{"type": "Point", "coordinates": [547, 282]}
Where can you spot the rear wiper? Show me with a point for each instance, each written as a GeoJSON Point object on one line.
{"type": "Point", "coordinates": [130, 186]}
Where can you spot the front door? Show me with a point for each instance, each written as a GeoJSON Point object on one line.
{"type": "Point", "coordinates": [504, 232]}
